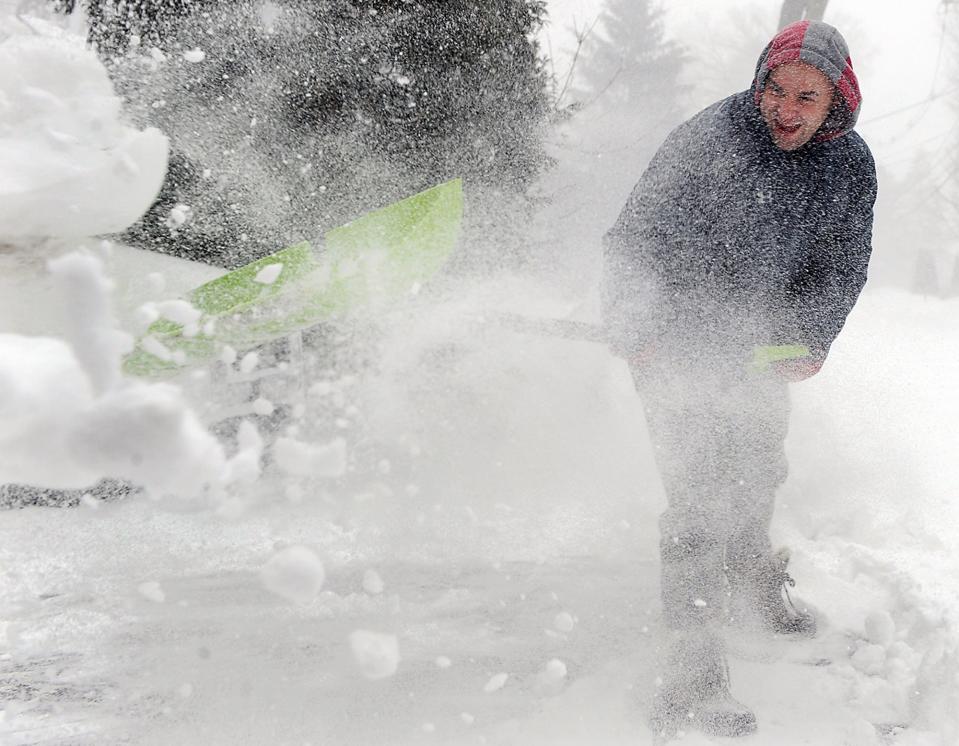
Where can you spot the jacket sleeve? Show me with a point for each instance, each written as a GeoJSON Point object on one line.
{"type": "Point", "coordinates": [638, 248]}
{"type": "Point", "coordinates": [827, 290]}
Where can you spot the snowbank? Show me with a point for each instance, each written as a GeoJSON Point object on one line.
{"type": "Point", "coordinates": [69, 165]}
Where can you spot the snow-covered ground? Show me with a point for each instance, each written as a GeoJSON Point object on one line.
{"type": "Point", "coordinates": [454, 542]}
{"type": "Point", "coordinates": [520, 535]}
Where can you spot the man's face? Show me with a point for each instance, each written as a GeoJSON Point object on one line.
{"type": "Point", "coordinates": [795, 102]}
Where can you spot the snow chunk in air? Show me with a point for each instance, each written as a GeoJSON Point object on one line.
{"type": "Point", "coordinates": [372, 582]}
{"type": "Point", "coordinates": [294, 573]}
{"type": "Point", "coordinates": [152, 591]}
{"type": "Point", "coordinates": [194, 56]}
{"type": "Point", "coordinates": [69, 164]}
{"type": "Point", "coordinates": [376, 654]}
{"type": "Point", "coordinates": [269, 274]}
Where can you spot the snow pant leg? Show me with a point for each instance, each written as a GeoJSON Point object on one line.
{"type": "Point", "coordinates": [757, 435]}
{"type": "Point", "coordinates": [690, 453]}
{"type": "Point", "coordinates": [721, 458]}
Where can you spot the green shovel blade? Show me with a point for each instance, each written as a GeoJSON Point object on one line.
{"type": "Point", "coordinates": [766, 355]}
{"type": "Point", "coordinates": [367, 265]}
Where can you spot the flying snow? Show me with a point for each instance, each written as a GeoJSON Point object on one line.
{"type": "Point", "coordinates": [376, 654]}
{"type": "Point", "coordinates": [294, 573]}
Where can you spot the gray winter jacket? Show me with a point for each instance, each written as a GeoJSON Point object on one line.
{"type": "Point", "coordinates": [728, 242]}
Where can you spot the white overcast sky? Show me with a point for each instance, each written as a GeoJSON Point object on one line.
{"type": "Point", "coordinates": [895, 47]}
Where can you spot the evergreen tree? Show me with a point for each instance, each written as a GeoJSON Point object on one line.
{"type": "Point", "coordinates": [627, 64]}
{"type": "Point", "coordinates": [925, 279]}
{"type": "Point", "coordinates": [301, 114]}
{"type": "Point", "coordinates": [623, 96]}
{"type": "Point", "coordinates": [952, 288]}
{"type": "Point", "coordinates": [915, 228]}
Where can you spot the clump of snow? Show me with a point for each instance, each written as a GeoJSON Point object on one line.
{"type": "Point", "coordinates": [496, 682]}
{"type": "Point", "coordinates": [178, 216]}
{"type": "Point", "coordinates": [263, 407]}
{"type": "Point", "coordinates": [69, 165]}
{"type": "Point", "coordinates": [552, 678]}
{"type": "Point", "coordinates": [152, 591]}
{"type": "Point", "coordinates": [156, 282]}
{"type": "Point", "coordinates": [42, 390]}
{"type": "Point", "coordinates": [880, 628]}
{"type": "Point", "coordinates": [377, 654]}
{"type": "Point", "coordinates": [443, 662]}
{"type": "Point", "coordinates": [228, 355]}
{"type": "Point", "coordinates": [869, 658]}
{"type": "Point", "coordinates": [294, 573]}
{"type": "Point", "coordinates": [183, 313]}
{"type": "Point", "coordinates": [147, 433]}
{"type": "Point", "coordinates": [555, 669]}
{"type": "Point", "coordinates": [270, 13]}
{"type": "Point", "coordinates": [249, 362]}
{"type": "Point", "coordinates": [310, 459]}
{"type": "Point", "coordinates": [92, 330]}
{"type": "Point", "coordinates": [70, 419]}
{"type": "Point", "coordinates": [372, 582]}
{"type": "Point", "coordinates": [564, 622]}
{"type": "Point", "coordinates": [244, 467]}
{"type": "Point", "coordinates": [194, 56]}
{"type": "Point", "coordinates": [144, 316]}
{"type": "Point", "coordinates": [156, 348]}
{"type": "Point", "coordinates": [269, 274]}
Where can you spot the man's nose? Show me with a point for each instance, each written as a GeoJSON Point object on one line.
{"type": "Point", "coordinates": [789, 111]}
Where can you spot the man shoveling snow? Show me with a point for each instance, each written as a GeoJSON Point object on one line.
{"type": "Point", "coordinates": [730, 271]}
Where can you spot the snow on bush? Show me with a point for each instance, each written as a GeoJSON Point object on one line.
{"type": "Point", "coordinates": [376, 654]}
{"type": "Point", "coordinates": [294, 573]}
{"type": "Point", "coordinates": [69, 165]}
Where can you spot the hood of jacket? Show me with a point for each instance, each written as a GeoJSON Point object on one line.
{"type": "Point", "coordinates": [822, 46]}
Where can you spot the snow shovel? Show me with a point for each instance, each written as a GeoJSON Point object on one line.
{"type": "Point", "coordinates": [365, 265]}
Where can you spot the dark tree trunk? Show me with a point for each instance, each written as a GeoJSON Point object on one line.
{"type": "Point", "coordinates": [798, 10]}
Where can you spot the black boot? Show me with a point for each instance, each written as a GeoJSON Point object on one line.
{"type": "Point", "coordinates": [760, 588]}
{"type": "Point", "coordinates": [695, 692]}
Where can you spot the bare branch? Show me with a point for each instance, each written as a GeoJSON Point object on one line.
{"type": "Point", "coordinates": [581, 37]}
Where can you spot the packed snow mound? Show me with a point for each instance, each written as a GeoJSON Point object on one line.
{"type": "Point", "coordinates": [69, 165]}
